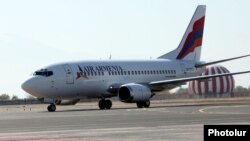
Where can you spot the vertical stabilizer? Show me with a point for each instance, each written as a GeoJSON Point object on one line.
{"type": "Point", "coordinates": [190, 45]}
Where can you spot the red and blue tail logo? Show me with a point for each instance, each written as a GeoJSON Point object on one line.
{"type": "Point", "coordinates": [194, 39]}
{"type": "Point", "coordinates": [190, 45]}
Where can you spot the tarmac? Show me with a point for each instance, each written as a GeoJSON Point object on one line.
{"type": "Point", "coordinates": [171, 121]}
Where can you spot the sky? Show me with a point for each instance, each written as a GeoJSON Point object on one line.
{"type": "Point", "coordinates": [35, 33]}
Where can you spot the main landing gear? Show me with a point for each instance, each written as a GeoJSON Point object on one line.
{"type": "Point", "coordinates": [51, 108]}
{"type": "Point", "coordinates": [143, 104]}
{"type": "Point", "coordinates": [105, 104]}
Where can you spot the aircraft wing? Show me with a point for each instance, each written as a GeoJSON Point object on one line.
{"type": "Point", "coordinates": [166, 83]}
{"type": "Point", "coordinates": [169, 84]}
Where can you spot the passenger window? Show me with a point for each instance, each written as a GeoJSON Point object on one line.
{"type": "Point", "coordinates": [124, 72]}
{"type": "Point", "coordinates": [132, 72]}
{"type": "Point", "coordinates": [128, 72]}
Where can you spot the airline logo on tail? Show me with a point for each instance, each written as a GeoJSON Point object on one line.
{"type": "Point", "coordinates": [194, 39]}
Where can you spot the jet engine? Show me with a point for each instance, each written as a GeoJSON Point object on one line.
{"type": "Point", "coordinates": [132, 92]}
{"type": "Point", "coordinates": [67, 101]}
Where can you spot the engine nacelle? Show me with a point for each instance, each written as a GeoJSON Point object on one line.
{"type": "Point", "coordinates": [67, 101]}
{"type": "Point", "coordinates": [134, 93]}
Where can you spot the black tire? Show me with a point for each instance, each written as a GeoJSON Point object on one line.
{"type": "Point", "coordinates": [146, 104]}
{"type": "Point", "coordinates": [143, 104]}
{"type": "Point", "coordinates": [108, 104]}
{"type": "Point", "coordinates": [139, 104]}
{"type": "Point", "coordinates": [102, 104]}
{"type": "Point", "coordinates": [51, 108]}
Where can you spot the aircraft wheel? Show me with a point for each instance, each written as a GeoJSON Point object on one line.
{"type": "Point", "coordinates": [139, 104]}
{"type": "Point", "coordinates": [102, 104]}
{"type": "Point", "coordinates": [142, 104]}
{"type": "Point", "coordinates": [108, 104]}
{"type": "Point", "coordinates": [146, 104]}
{"type": "Point", "coordinates": [51, 108]}
{"type": "Point", "coordinates": [105, 104]}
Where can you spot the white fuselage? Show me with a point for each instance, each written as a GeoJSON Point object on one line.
{"type": "Point", "coordinates": [92, 79]}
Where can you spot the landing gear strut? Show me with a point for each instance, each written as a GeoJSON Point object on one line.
{"type": "Point", "coordinates": [105, 104]}
{"type": "Point", "coordinates": [142, 104]}
{"type": "Point", "coordinates": [51, 108]}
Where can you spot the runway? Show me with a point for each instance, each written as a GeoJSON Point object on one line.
{"type": "Point", "coordinates": [124, 122]}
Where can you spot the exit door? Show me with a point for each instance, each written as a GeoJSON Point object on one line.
{"type": "Point", "coordinates": [69, 74]}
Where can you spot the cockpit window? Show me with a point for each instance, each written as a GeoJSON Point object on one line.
{"type": "Point", "coordinates": [43, 72]}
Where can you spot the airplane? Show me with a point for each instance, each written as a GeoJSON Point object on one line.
{"type": "Point", "coordinates": [135, 81]}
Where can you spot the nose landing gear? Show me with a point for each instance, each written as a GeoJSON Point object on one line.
{"type": "Point", "coordinates": [105, 104]}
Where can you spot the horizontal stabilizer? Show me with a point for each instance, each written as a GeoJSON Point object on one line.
{"type": "Point", "coordinates": [203, 78]}
{"type": "Point", "coordinates": [219, 61]}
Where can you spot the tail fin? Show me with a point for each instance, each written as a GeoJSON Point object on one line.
{"type": "Point", "coordinates": [190, 45]}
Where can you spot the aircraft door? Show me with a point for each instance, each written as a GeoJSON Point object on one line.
{"type": "Point", "coordinates": [69, 74]}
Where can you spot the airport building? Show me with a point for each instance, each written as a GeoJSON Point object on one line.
{"type": "Point", "coordinates": [214, 87]}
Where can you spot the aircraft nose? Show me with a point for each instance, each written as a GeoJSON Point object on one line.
{"type": "Point", "coordinates": [27, 86]}
{"type": "Point", "coordinates": [33, 87]}
{"type": "Point", "coordinates": [36, 86]}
